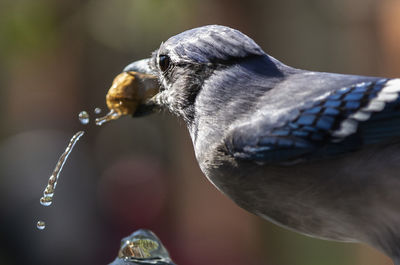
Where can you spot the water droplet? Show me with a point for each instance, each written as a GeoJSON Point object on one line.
{"type": "Point", "coordinates": [41, 225]}
{"type": "Point", "coordinates": [97, 110]}
{"type": "Point", "coordinates": [83, 117]}
{"type": "Point", "coordinates": [112, 115]}
{"type": "Point", "coordinates": [46, 200]}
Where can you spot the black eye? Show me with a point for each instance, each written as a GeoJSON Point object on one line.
{"type": "Point", "coordinates": [164, 62]}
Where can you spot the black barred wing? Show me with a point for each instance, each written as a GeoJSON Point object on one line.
{"type": "Point", "coordinates": [345, 120]}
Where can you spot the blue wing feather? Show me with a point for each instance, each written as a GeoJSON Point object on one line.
{"type": "Point", "coordinates": [345, 120]}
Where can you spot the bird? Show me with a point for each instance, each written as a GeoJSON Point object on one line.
{"type": "Point", "coordinates": [314, 152]}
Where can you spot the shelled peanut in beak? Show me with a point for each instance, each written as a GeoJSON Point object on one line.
{"type": "Point", "coordinates": [128, 92]}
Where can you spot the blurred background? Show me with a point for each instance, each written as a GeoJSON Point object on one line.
{"type": "Point", "coordinates": [59, 57]}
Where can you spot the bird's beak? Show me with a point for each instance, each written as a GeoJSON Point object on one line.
{"type": "Point", "coordinates": [132, 90]}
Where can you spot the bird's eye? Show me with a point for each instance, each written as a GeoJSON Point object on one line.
{"type": "Point", "coordinates": [164, 62]}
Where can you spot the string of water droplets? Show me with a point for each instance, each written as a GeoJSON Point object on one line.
{"type": "Point", "coordinates": [48, 193]}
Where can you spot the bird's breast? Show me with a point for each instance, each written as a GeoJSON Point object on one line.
{"type": "Point", "coordinates": [329, 199]}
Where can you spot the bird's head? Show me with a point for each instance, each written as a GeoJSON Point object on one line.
{"type": "Point", "coordinates": [184, 63]}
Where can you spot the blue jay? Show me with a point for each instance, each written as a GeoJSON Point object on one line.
{"type": "Point", "coordinates": [318, 153]}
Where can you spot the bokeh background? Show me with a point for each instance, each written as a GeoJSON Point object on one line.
{"type": "Point", "coordinates": [59, 57]}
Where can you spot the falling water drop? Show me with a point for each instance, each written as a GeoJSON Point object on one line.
{"type": "Point", "coordinates": [97, 110]}
{"type": "Point", "coordinates": [41, 225]}
{"type": "Point", "coordinates": [83, 117]}
{"type": "Point", "coordinates": [46, 200]}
